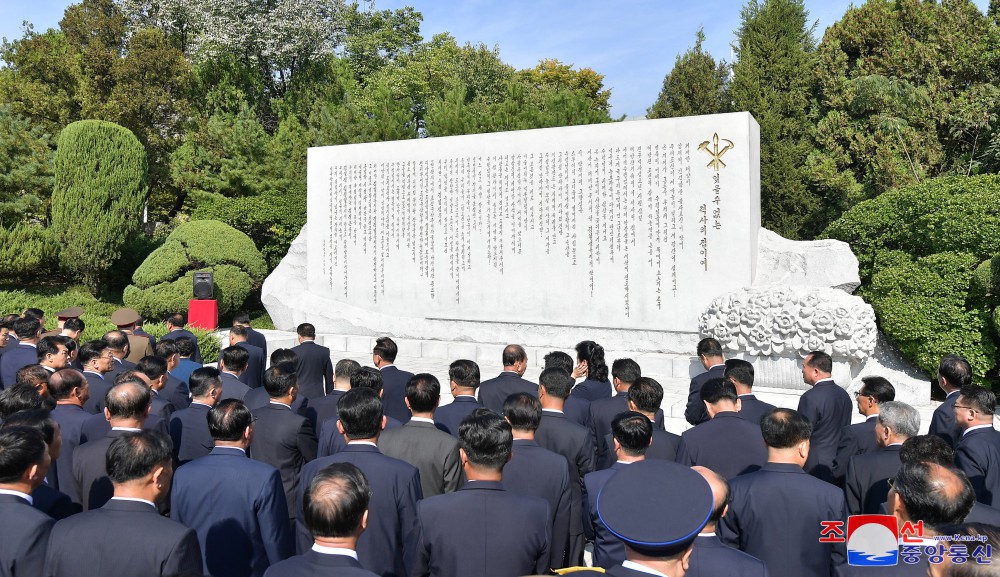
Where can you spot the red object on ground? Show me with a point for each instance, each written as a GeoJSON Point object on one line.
{"type": "Point", "coordinates": [203, 314]}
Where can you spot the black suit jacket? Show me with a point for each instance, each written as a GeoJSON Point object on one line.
{"type": "Point", "coordinates": [332, 442]}
{"type": "Point", "coordinates": [258, 340]}
{"type": "Point", "coordinates": [161, 407]}
{"type": "Point", "coordinates": [856, 439]}
{"type": "Point", "coordinates": [322, 408]}
{"type": "Point", "coordinates": [96, 426]}
{"type": "Point", "coordinates": [978, 454]}
{"type": "Point", "coordinates": [433, 452]}
{"type": "Point", "coordinates": [253, 376]}
{"type": "Point", "coordinates": [608, 549]}
{"type": "Point", "coordinates": [943, 421]}
{"type": "Point", "coordinates": [189, 432]}
{"type": "Point", "coordinates": [493, 392]}
{"type": "Point", "coordinates": [866, 484]}
{"type": "Point", "coordinates": [538, 472]}
{"type": "Point", "coordinates": [121, 539]}
{"type": "Point", "coordinates": [258, 398]}
{"type": "Point", "coordinates": [90, 472]}
{"type": "Point", "coordinates": [196, 355]}
{"type": "Point", "coordinates": [119, 366]}
{"type": "Point", "coordinates": [710, 558]}
{"type": "Point", "coordinates": [775, 516]}
{"type": "Point", "coordinates": [24, 535]}
{"type": "Point", "coordinates": [592, 390]}
{"type": "Point", "coordinates": [237, 507]}
{"type": "Point", "coordinates": [695, 412]}
{"type": "Point", "coordinates": [394, 392]}
{"type": "Point", "coordinates": [232, 387]}
{"type": "Point", "coordinates": [727, 444]}
{"type": "Point", "coordinates": [509, 534]}
{"type": "Point", "coordinates": [557, 434]}
{"type": "Point", "coordinates": [13, 360]}
{"type": "Point", "coordinates": [314, 369]}
{"type": "Point", "coordinates": [176, 391]}
{"type": "Point", "coordinates": [828, 407]}
{"type": "Point", "coordinates": [71, 419]}
{"type": "Point", "coordinates": [99, 386]}
{"type": "Point", "coordinates": [602, 412]}
{"type": "Point", "coordinates": [312, 564]}
{"type": "Point", "coordinates": [392, 512]}
{"type": "Point", "coordinates": [286, 441]}
{"type": "Point", "coordinates": [754, 409]}
{"type": "Point", "coordinates": [53, 503]}
{"type": "Point", "coordinates": [449, 417]}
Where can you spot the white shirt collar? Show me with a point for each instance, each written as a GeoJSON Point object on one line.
{"type": "Point", "coordinates": [48, 368]}
{"type": "Point", "coordinates": [131, 429]}
{"type": "Point", "coordinates": [273, 402]}
{"type": "Point", "coordinates": [708, 534]}
{"type": "Point", "coordinates": [552, 411]}
{"type": "Point", "coordinates": [823, 381]}
{"type": "Point", "coordinates": [870, 417]}
{"type": "Point", "coordinates": [150, 503]}
{"type": "Point", "coordinates": [32, 345]}
{"type": "Point", "coordinates": [24, 496]}
{"type": "Point", "coordinates": [642, 568]}
{"type": "Point", "coordinates": [201, 403]}
{"type": "Point", "coordinates": [362, 443]}
{"type": "Point", "coordinates": [335, 551]}
{"type": "Point", "coordinates": [386, 366]}
{"type": "Point", "coordinates": [956, 391]}
{"type": "Point", "coordinates": [422, 420]}
{"type": "Point", "coordinates": [970, 429]}
{"type": "Point", "coordinates": [468, 396]}
{"type": "Point", "coordinates": [718, 365]}
{"type": "Point", "coordinates": [241, 449]}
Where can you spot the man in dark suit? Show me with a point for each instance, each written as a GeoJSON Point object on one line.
{"type": "Point", "coordinates": [463, 376]}
{"type": "Point", "coordinates": [710, 355]}
{"type": "Point", "coordinates": [236, 505]}
{"type": "Point", "coordinates": [189, 427]}
{"type": "Point", "coordinates": [127, 407]}
{"type": "Point", "coordinates": [726, 443]}
{"type": "Point", "coordinates": [645, 397]}
{"type": "Point", "coordinates": [24, 533]}
{"type": "Point", "coordinates": [46, 499]}
{"type": "Point", "coordinates": [954, 372]}
{"type": "Point", "coordinates": [96, 359]}
{"type": "Point", "coordinates": [254, 373]}
{"type": "Point", "coordinates": [828, 408]}
{"type": "Point", "coordinates": [394, 380]}
{"type": "Point", "coordinates": [52, 353]}
{"type": "Point", "coordinates": [867, 482]}
{"type": "Point", "coordinates": [176, 330]}
{"type": "Point", "coordinates": [978, 450]}
{"type": "Point", "coordinates": [127, 536]}
{"type": "Point", "coordinates": [418, 442]}
{"type": "Point", "coordinates": [98, 426]}
{"type": "Point", "coordinates": [538, 472]}
{"type": "Point", "coordinates": [154, 368]}
{"type": "Point", "coordinates": [324, 408]}
{"type": "Point", "coordinates": [395, 487]}
{"type": "Point", "coordinates": [577, 406]}
{"type": "Point", "coordinates": [185, 366]}
{"type": "Point", "coordinates": [119, 345]}
{"type": "Point", "coordinates": [574, 442]}
{"type": "Point", "coordinates": [740, 373]}
{"type": "Point", "coordinates": [242, 319]}
{"type": "Point", "coordinates": [493, 392]}
{"type": "Point", "coordinates": [174, 389]}
{"type": "Point", "coordinates": [232, 363]}
{"type": "Point", "coordinates": [859, 438]}
{"type": "Point", "coordinates": [335, 509]}
{"type": "Point", "coordinates": [284, 439]}
{"type": "Point", "coordinates": [624, 372]}
{"type": "Point", "coordinates": [776, 512]}
{"type": "Point", "coordinates": [632, 433]}
{"type": "Point", "coordinates": [315, 368]}
{"type": "Point", "coordinates": [70, 391]}
{"type": "Point", "coordinates": [509, 535]}
{"type": "Point", "coordinates": [331, 440]}
{"type": "Point", "coordinates": [24, 353]}
{"type": "Point", "coordinates": [710, 557]}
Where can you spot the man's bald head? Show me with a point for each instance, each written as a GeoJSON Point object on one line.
{"type": "Point", "coordinates": [129, 400]}
{"type": "Point", "coordinates": [720, 495]}
{"type": "Point", "coordinates": [62, 383]}
{"type": "Point", "coordinates": [932, 493]}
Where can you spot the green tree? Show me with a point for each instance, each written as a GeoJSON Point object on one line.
{"type": "Point", "coordinates": [100, 186]}
{"type": "Point", "coordinates": [696, 85]}
{"type": "Point", "coordinates": [775, 54]}
{"type": "Point", "coordinates": [25, 169]}
{"type": "Point", "coordinates": [552, 73]}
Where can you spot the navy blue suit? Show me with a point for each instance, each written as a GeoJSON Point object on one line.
{"type": "Point", "coordinates": [493, 392]}
{"type": "Point", "coordinates": [97, 426]}
{"type": "Point", "coordinates": [184, 369]}
{"type": "Point", "coordinates": [286, 441]}
{"type": "Point", "coordinates": [828, 407]}
{"type": "Point", "coordinates": [24, 535]}
{"type": "Point", "coordinates": [754, 409]}
{"type": "Point", "coordinates": [775, 516]}
{"type": "Point", "coordinates": [726, 444]}
{"type": "Point", "coordinates": [943, 421]}
{"type": "Point", "coordinates": [13, 360]}
{"type": "Point", "coordinates": [237, 507]}
{"type": "Point", "coordinates": [711, 558]}
{"type": "Point", "coordinates": [178, 333]}
{"type": "Point", "coordinates": [866, 484]}
{"type": "Point", "coordinates": [53, 503]}
{"type": "Point", "coordinates": [577, 410]}
{"type": "Point", "coordinates": [258, 340]}
{"type": "Point", "coordinates": [538, 472]}
{"type": "Point", "coordinates": [232, 387]}
{"type": "Point", "coordinates": [664, 447]}
{"type": "Point", "coordinates": [394, 392]}
{"type": "Point", "coordinates": [332, 442]}
{"type": "Point", "coordinates": [189, 432]}
{"type": "Point", "coordinates": [854, 440]}
{"type": "Point", "coordinates": [99, 386]}
{"type": "Point", "coordinates": [608, 549]}
{"type": "Point", "coordinates": [508, 534]}
{"type": "Point", "coordinates": [253, 376]}
{"type": "Point", "coordinates": [450, 416]}
{"type": "Point", "coordinates": [176, 391]}
{"type": "Point", "coordinates": [592, 390]}
{"type": "Point", "coordinates": [314, 369]}
{"type": "Point", "coordinates": [323, 408]}
{"type": "Point", "coordinates": [71, 419]}
{"type": "Point", "coordinates": [392, 512]}
{"type": "Point", "coordinates": [695, 412]}
{"type": "Point", "coordinates": [602, 412]}
{"type": "Point", "coordinates": [90, 474]}
{"type": "Point", "coordinates": [978, 454]}
{"type": "Point", "coordinates": [312, 564]}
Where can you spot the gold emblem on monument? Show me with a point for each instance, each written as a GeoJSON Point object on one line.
{"type": "Point", "coordinates": [714, 152]}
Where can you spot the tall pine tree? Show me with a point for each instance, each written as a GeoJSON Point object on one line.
{"type": "Point", "coordinates": [696, 85]}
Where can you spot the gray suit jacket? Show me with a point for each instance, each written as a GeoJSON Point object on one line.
{"type": "Point", "coordinates": [432, 451]}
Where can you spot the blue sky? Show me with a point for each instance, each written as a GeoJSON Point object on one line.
{"type": "Point", "coordinates": [632, 42]}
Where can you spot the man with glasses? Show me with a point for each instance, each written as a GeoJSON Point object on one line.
{"type": "Point", "coordinates": [859, 438]}
{"type": "Point", "coordinates": [97, 361]}
{"type": "Point", "coordinates": [978, 450]}
{"type": "Point", "coordinates": [866, 484]}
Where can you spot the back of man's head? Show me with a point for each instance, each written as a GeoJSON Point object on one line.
{"type": "Point", "coordinates": [152, 366]}
{"type": "Point", "coordinates": [716, 390]}
{"type": "Point", "coordinates": [367, 378]}
{"type": "Point", "coordinates": [901, 418]}
{"type": "Point", "coordinates": [32, 375]}
{"type": "Point", "coordinates": [360, 411]}
{"type": "Point", "coordinates": [128, 401]}
{"type": "Point", "coordinates": [709, 347]}
{"type": "Point", "coordinates": [279, 356]}
{"type": "Point", "coordinates": [26, 328]}
{"type": "Point", "coordinates": [556, 382]}
{"type": "Point", "coordinates": [878, 388]}
{"type": "Point", "coordinates": [626, 370]}
{"type": "Point", "coordinates": [785, 428]}
{"type": "Point", "coordinates": [927, 448]}
{"type": "Point", "coordinates": [63, 381]}
{"type": "Point", "coordinates": [423, 391]}
{"type": "Point", "coordinates": [20, 448]}
{"type": "Point", "coordinates": [241, 318]}
{"type": "Point", "coordinates": [522, 411]}
{"type": "Point", "coordinates": [464, 373]}
{"type": "Point", "coordinates": [336, 500]}
{"type": "Point", "coordinates": [345, 368]}
{"type": "Point", "coordinates": [646, 394]}
{"type": "Point", "coordinates": [38, 419]}
{"type": "Point", "coordinates": [135, 455]}
{"type": "Point", "coordinates": [487, 440]}
{"type": "Point", "coordinates": [278, 382]}
{"type": "Point", "coordinates": [185, 346]}
{"type": "Point", "coordinates": [235, 358]}
{"type": "Point", "coordinates": [934, 494]}
{"type": "Point", "coordinates": [34, 312]}
{"type": "Point", "coordinates": [820, 360]}
{"type": "Point", "coordinates": [20, 397]}
{"type": "Point", "coordinates": [203, 380]}
{"type": "Point", "coordinates": [956, 370]}
{"type": "Point", "coordinates": [558, 360]}
{"type": "Point", "coordinates": [116, 340]}
{"type": "Point", "coordinates": [513, 354]}
{"type": "Point", "coordinates": [228, 420]}
{"type": "Point", "coordinates": [739, 371]}
{"type": "Point", "coordinates": [633, 431]}
{"type": "Point", "coordinates": [306, 331]}
{"type": "Point", "coordinates": [176, 320]}
{"type": "Point", "coordinates": [240, 332]}
{"type": "Point", "coordinates": [167, 348]}
{"type": "Point", "coordinates": [385, 348]}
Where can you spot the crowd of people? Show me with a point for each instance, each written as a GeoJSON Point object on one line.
{"type": "Point", "coordinates": [126, 456]}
